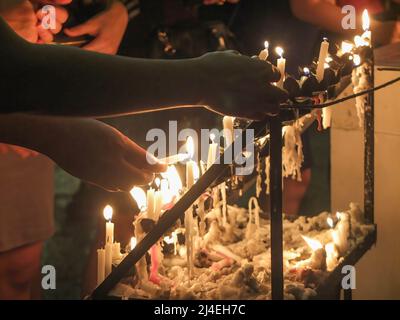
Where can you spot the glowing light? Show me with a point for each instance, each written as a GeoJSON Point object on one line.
{"type": "Point", "coordinates": [329, 220]}
{"type": "Point", "coordinates": [326, 66]}
{"type": "Point", "coordinates": [312, 243]}
{"type": "Point", "coordinates": [306, 71]}
{"type": "Point", "coordinates": [347, 47]}
{"type": "Point", "coordinates": [139, 196]}
{"type": "Point", "coordinates": [328, 59]}
{"type": "Point", "coordinates": [338, 215]}
{"type": "Point", "coordinates": [357, 60]}
{"type": "Point", "coordinates": [190, 147]}
{"type": "Point", "coordinates": [365, 20]}
{"type": "Point", "coordinates": [266, 44]}
{"type": "Point", "coordinates": [169, 240]}
{"type": "Point", "coordinates": [212, 137]}
{"type": "Point", "coordinates": [108, 212]}
{"type": "Point", "coordinates": [360, 42]}
{"type": "Point", "coordinates": [158, 182]}
{"type": "Point", "coordinates": [133, 243]}
{"type": "Point", "coordinates": [279, 51]}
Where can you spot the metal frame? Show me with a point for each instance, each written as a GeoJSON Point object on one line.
{"type": "Point", "coordinates": [220, 170]}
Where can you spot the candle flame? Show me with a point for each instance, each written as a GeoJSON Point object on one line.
{"type": "Point", "coordinates": [279, 51]}
{"type": "Point", "coordinates": [347, 47]}
{"type": "Point", "coordinates": [158, 182]}
{"type": "Point", "coordinates": [312, 243]}
{"type": "Point", "coordinates": [357, 60]}
{"type": "Point", "coordinates": [212, 137]}
{"type": "Point", "coordinates": [338, 215]}
{"type": "Point", "coordinates": [108, 212]}
{"type": "Point", "coordinates": [328, 59]}
{"type": "Point", "coordinates": [139, 196]}
{"type": "Point", "coordinates": [326, 66]}
{"type": "Point", "coordinates": [365, 20]}
{"type": "Point", "coordinates": [306, 71]}
{"type": "Point", "coordinates": [133, 243]}
{"type": "Point", "coordinates": [266, 44]}
{"type": "Point", "coordinates": [174, 180]}
{"type": "Point", "coordinates": [329, 220]}
{"type": "Point", "coordinates": [190, 146]}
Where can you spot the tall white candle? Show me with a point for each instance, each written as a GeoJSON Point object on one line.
{"type": "Point", "coordinates": [281, 64]}
{"type": "Point", "coordinates": [323, 54]}
{"type": "Point", "coordinates": [101, 265]}
{"type": "Point", "coordinates": [265, 52]}
{"type": "Point", "coordinates": [108, 259]}
{"type": "Point", "coordinates": [108, 212]}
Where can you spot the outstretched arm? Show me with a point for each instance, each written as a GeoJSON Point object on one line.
{"type": "Point", "coordinates": [59, 80]}
{"type": "Point", "coordinates": [86, 148]}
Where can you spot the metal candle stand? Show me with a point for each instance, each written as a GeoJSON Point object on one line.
{"type": "Point", "coordinates": [220, 170]}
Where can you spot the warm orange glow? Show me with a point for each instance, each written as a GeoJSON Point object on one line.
{"type": "Point", "coordinates": [365, 20]}
{"type": "Point", "coordinates": [266, 44]}
{"type": "Point", "coordinates": [108, 212]}
{"type": "Point", "coordinates": [346, 47]}
{"type": "Point", "coordinates": [312, 243]}
{"type": "Point", "coordinates": [140, 197]}
{"type": "Point", "coordinates": [190, 147]}
{"type": "Point", "coordinates": [279, 51]}
{"type": "Point", "coordinates": [329, 220]}
{"type": "Point", "coordinates": [357, 60]}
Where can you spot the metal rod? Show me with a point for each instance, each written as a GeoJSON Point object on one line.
{"type": "Point", "coordinates": [276, 208]}
{"type": "Point", "coordinates": [369, 149]}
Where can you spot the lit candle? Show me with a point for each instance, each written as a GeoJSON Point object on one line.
{"type": "Point", "coordinates": [101, 264]}
{"type": "Point", "coordinates": [281, 64]}
{"type": "Point", "coordinates": [331, 256]}
{"type": "Point", "coordinates": [264, 53]}
{"type": "Point", "coordinates": [367, 36]}
{"type": "Point", "coordinates": [228, 130]}
{"type": "Point", "coordinates": [323, 53]}
{"type": "Point", "coordinates": [318, 257]}
{"type": "Point", "coordinates": [306, 74]}
{"type": "Point", "coordinates": [212, 151]}
{"type": "Point", "coordinates": [139, 196]}
{"type": "Point", "coordinates": [108, 212]}
{"type": "Point", "coordinates": [190, 164]}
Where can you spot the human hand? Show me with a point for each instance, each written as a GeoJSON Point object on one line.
{"type": "Point", "coordinates": [99, 154]}
{"type": "Point", "coordinates": [239, 86]}
{"type": "Point", "coordinates": [46, 34]}
{"type": "Point", "coordinates": [108, 28]}
{"type": "Point", "coordinates": [22, 19]}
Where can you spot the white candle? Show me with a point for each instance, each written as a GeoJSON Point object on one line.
{"type": "Point", "coordinates": [265, 52]}
{"type": "Point", "coordinates": [158, 204]}
{"type": "Point", "coordinates": [228, 130]}
{"type": "Point", "coordinates": [116, 251]}
{"type": "Point", "coordinates": [108, 212]}
{"type": "Point", "coordinates": [108, 259]}
{"type": "Point", "coordinates": [150, 204]}
{"type": "Point", "coordinates": [212, 152]}
{"type": "Point", "coordinates": [323, 53]}
{"type": "Point", "coordinates": [281, 64]}
{"type": "Point", "coordinates": [101, 264]}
